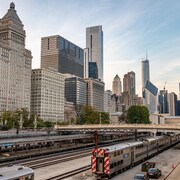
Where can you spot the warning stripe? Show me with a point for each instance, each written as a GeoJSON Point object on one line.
{"type": "Point", "coordinates": [93, 164]}
{"type": "Point", "coordinates": [100, 152]}
{"type": "Point", "coordinates": [106, 165]}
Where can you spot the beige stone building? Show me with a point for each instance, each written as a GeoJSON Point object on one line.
{"type": "Point", "coordinates": [47, 94]}
{"type": "Point", "coordinates": [15, 63]}
{"type": "Point", "coordinates": [95, 94]}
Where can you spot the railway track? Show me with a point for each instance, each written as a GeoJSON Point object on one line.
{"type": "Point", "coordinates": [44, 163]}
{"type": "Point", "coordinates": [70, 173]}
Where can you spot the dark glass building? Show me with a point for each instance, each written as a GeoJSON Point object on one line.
{"type": "Point", "coordinates": [60, 54]}
{"type": "Point", "coordinates": [75, 91]}
{"type": "Point", "coordinates": [93, 70]}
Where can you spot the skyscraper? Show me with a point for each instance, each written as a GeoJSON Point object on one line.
{"type": "Point", "coordinates": [94, 42]}
{"type": "Point", "coordinates": [145, 72]}
{"type": "Point", "coordinates": [150, 99]}
{"type": "Point", "coordinates": [129, 84]}
{"type": "Point", "coordinates": [60, 54]}
{"type": "Point", "coordinates": [75, 91]}
{"type": "Point", "coordinates": [172, 104]}
{"type": "Point", "coordinates": [15, 63]}
{"type": "Point", "coordinates": [116, 86]}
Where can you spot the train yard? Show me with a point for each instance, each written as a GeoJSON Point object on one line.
{"type": "Point", "coordinates": [71, 153]}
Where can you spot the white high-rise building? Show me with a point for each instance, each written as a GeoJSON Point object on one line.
{"type": "Point", "coordinates": [47, 94]}
{"type": "Point", "coordinates": [15, 63]}
{"type": "Point", "coordinates": [94, 42]}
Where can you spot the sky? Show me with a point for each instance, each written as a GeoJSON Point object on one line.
{"type": "Point", "coordinates": [130, 27]}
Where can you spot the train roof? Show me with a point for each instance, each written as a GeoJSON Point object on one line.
{"type": "Point", "coordinates": [13, 172]}
{"type": "Point", "coordinates": [130, 144]}
{"type": "Point", "coordinates": [122, 146]}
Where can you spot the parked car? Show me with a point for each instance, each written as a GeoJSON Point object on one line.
{"type": "Point", "coordinates": [140, 177]}
{"type": "Point", "coordinates": [154, 173]}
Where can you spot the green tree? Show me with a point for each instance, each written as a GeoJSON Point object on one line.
{"type": "Point", "coordinates": [138, 115]}
{"type": "Point", "coordinates": [90, 116]}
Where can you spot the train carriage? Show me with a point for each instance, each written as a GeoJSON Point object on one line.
{"type": "Point", "coordinates": [111, 160]}
{"type": "Point", "coordinates": [16, 173]}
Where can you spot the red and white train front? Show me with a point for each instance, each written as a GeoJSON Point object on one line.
{"type": "Point", "coordinates": [100, 162]}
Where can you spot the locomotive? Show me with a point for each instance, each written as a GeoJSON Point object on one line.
{"type": "Point", "coordinates": [111, 160]}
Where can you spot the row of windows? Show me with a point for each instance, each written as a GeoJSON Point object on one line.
{"type": "Point", "coordinates": [116, 164]}
{"type": "Point", "coordinates": [139, 146]}
{"type": "Point", "coordinates": [141, 154]}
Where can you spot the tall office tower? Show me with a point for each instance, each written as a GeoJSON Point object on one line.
{"type": "Point", "coordinates": [75, 91]}
{"type": "Point", "coordinates": [47, 94]}
{"type": "Point", "coordinates": [145, 72]}
{"type": "Point", "coordinates": [107, 101]}
{"type": "Point", "coordinates": [95, 94]}
{"type": "Point", "coordinates": [15, 63]}
{"type": "Point", "coordinates": [163, 102]}
{"type": "Point", "coordinates": [172, 104]}
{"type": "Point", "coordinates": [150, 99]}
{"type": "Point", "coordinates": [116, 86]}
{"type": "Point", "coordinates": [129, 84]}
{"type": "Point", "coordinates": [60, 54]}
{"type": "Point", "coordinates": [94, 42]}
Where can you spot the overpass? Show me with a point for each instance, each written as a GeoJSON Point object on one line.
{"type": "Point", "coordinates": [119, 127]}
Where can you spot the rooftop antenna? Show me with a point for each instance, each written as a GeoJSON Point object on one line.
{"type": "Point", "coordinates": [146, 55]}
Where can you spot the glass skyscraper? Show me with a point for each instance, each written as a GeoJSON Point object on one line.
{"type": "Point", "coordinates": [94, 42]}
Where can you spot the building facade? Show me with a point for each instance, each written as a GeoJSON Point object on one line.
{"type": "Point", "coordinates": [107, 101]}
{"type": "Point", "coordinates": [150, 97]}
{"type": "Point", "coordinates": [116, 86]}
{"type": "Point", "coordinates": [172, 104]}
{"type": "Point", "coordinates": [15, 63]}
{"type": "Point", "coordinates": [163, 102]}
{"type": "Point", "coordinates": [94, 44]}
{"type": "Point", "coordinates": [95, 94]}
{"type": "Point", "coordinates": [47, 95]}
{"type": "Point", "coordinates": [75, 91]}
{"type": "Point", "coordinates": [69, 112]}
{"type": "Point", "coordinates": [60, 54]}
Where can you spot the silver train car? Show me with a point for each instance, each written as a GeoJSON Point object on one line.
{"type": "Point", "coordinates": [111, 160]}
{"type": "Point", "coordinates": [16, 173]}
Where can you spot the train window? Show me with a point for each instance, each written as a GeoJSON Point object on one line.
{"type": "Point", "coordinates": [115, 164]}
{"type": "Point", "coordinates": [101, 160]}
{"type": "Point", "coordinates": [111, 166]}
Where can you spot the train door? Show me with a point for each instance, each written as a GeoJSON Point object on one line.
{"type": "Point", "coordinates": [100, 164]}
{"type": "Point", "coordinates": [132, 156]}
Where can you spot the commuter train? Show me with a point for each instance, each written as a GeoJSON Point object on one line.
{"type": "Point", "coordinates": [111, 160]}
{"type": "Point", "coordinates": [16, 172]}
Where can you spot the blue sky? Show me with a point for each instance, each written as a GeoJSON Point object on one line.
{"type": "Point", "coordinates": [130, 28]}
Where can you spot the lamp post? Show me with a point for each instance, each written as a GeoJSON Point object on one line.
{"type": "Point", "coordinates": [35, 122]}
